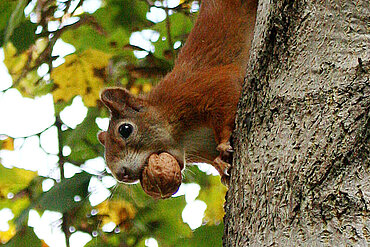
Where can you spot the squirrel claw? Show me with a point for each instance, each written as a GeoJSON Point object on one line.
{"type": "Point", "coordinates": [226, 172]}
{"type": "Point", "coordinates": [223, 168]}
{"type": "Point", "coordinates": [223, 162]}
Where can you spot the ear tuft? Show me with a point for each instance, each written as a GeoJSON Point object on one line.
{"type": "Point", "coordinates": [114, 98]}
{"type": "Point", "coordinates": [117, 99]}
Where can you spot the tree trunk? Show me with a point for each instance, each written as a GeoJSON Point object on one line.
{"type": "Point", "coordinates": [301, 167]}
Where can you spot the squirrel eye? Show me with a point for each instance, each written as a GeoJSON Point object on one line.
{"type": "Point", "coordinates": [125, 130]}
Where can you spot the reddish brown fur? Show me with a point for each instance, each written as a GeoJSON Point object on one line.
{"type": "Point", "coordinates": [205, 84]}
{"type": "Point", "coordinates": [202, 90]}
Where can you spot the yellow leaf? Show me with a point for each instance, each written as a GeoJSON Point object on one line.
{"type": "Point", "coordinates": [7, 144]}
{"type": "Point", "coordinates": [214, 196]}
{"type": "Point", "coordinates": [81, 74]}
{"type": "Point", "coordinates": [13, 180]}
{"type": "Point", "coordinates": [134, 90]}
{"type": "Point", "coordinates": [119, 212]}
{"type": "Point", "coordinates": [7, 235]}
{"type": "Point", "coordinates": [147, 87]}
{"type": "Point", "coordinates": [15, 63]}
{"type": "Point", "coordinates": [187, 5]}
{"type": "Point", "coordinates": [30, 84]}
{"type": "Point", "coordinates": [27, 85]}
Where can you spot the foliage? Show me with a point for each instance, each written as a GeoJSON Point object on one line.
{"type": "Point", "coordinates": [103, 56]}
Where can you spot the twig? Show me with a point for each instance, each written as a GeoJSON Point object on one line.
{"type": "Point", "coordinates": [169, 37]}
{"type": "Point", "coordinates": [61, 162]}
{"type": "Point", "coordinates": [180, 7]}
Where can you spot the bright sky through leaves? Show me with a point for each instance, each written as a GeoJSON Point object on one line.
{"type": "Point", "coordinates": [83, 64]}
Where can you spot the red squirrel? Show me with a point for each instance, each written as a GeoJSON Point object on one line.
{"type": "Point", "coordinates": [190, 114]}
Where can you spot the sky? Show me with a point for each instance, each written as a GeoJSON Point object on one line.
{"type": "Point", "coordinates": [23, 117]}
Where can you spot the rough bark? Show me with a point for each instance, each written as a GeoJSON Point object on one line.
{"type": "Point", "coordinates": [301, 165]}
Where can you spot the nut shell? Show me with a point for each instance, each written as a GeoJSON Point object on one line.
{"type": "Point", "coordinates": [162, 177]}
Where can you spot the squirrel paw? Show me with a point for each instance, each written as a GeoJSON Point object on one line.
{"type": "Point", "coordinates": [225, 150]}
{"type": "Point", "coordinates": [223, 162]}
{"type": "Point", "coordinates": [223, 168]}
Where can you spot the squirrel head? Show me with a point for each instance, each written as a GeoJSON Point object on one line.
{"type": "Point", "coordinates": [136, 130]}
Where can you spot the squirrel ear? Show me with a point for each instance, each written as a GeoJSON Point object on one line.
{"type": "Point", "coordinates": [117, 99]}
{"type": "Point", "coordinates": [102, 136]}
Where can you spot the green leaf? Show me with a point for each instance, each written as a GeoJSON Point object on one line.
{"type": "Point", "coordinates": [161, 219]}
{"type": "Point", "coordinates": [158, 219]}
{"type": "Point", "coordinates": [204, 236]}
{"type": "Point", "coordinates": [24, 237]}
{"type": "Point", "coordinates": [24, 202]}
{"type": "Point", "coordinates": [111, 27]}
{"type": "Point", "coordinates": [24, 36]}
{"type": "Point", "coordinates": [181, 26]}
{"type": "Point", "coordinates": [192, 174]}
{"type": "Point", "coordinates": [106, 241]}
{"type": "Point", "coordinates": [60, 105]}
{"type": "Point", "coordinates": [103, 36]}
{"type": "Point", "coordinates": [130, 14]}
{"type": "Point", "coordinates": [61, 197]}
{"type": "Point", "coordinates": [85, 37]}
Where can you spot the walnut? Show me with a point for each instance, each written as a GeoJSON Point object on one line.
{"type": "Point", "coordinates": [162, 177]}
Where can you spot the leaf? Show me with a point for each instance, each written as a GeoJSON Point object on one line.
{"type": "Point", "coordinates": [103, 35]}
{"type": "Point", "coordinates": [214, 196]}
{"type": "Point", "coordinates": [86, 37]}
{"type": "Point", "coordinates": [24, 237]}
{"type": "Point", "coordinates": [130, 14]}
{"type": "Point", "coordinates": [120, 212]}
{"type": "Point", "coordinates": [212, 193]}
{"type": "Point", "coordinates": [181, 26]}
{"type": "Point", "coordinates": [192, 174]}
{"type": "Point", "coordinates": [30, 85]}
{"type": "Point", "coordinates": [110, 27]}
{"type": "Point", "coordinates": [162, 219]}
{"type": "Point", "coordinates": [7, 235]}
{"type": "Point", "coordinates": [14, 180]}
{"type": "Point", "coordinates": [81, 74]}
{"type": "Point", "coordinates": [62, 197]}
{"type": "Point", "coordinates": [22, 202]}
{"type": "Point", "coordinates": [204, 236]}
{"type": "Point", "coordinates": [24, 35]}
{"type": "Point", "coordinates": [7, 144]}
{"type": "Point", "coordinates": [159, 219]}
{"type": "Point", "coordinates": [59, 106]}
{"type": "Point", "coordinates": [13, 61]}
{"type": "Point", "coordinates": [105, 241]}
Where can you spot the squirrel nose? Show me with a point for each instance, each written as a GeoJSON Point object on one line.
{"type": "Point", "coordinates": [124, 175]}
